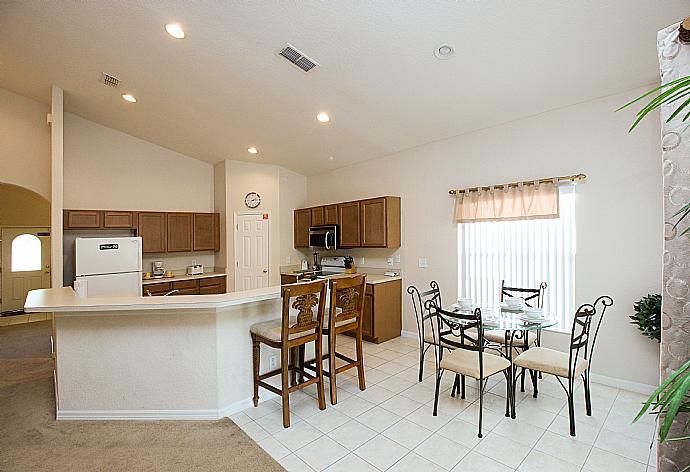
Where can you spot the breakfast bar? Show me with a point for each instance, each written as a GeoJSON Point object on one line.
{"type": "Point", "coordinates": [132, 358]}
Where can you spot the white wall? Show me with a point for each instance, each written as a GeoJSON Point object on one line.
{"type": "Point", "coordinates": [293, 194]}
{"type": "Point", "coordinates": [24, 143]}
{"type": "Point", "coordinates": [619, 244]}
{"type": "Point", "coordinates": [108, 169]}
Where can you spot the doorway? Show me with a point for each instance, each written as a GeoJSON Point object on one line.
{"type": "Point", "coordinates": [25, 264]}
{"type": "Point", "coordinates": [252, 266]}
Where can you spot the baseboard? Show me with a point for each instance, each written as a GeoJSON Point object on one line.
{"type": "Point", "coordinates": [409, 334]}
{"type": "Point", "coordinates": [629, 385]}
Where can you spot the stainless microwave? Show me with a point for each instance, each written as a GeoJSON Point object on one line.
{"type": "Point", "coordinates": [325, 236]}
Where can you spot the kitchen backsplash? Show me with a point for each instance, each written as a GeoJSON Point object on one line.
{"type": "Point", "coordinates": [369, 257]}
{"type": "Point", "coordinates": [178, 262]}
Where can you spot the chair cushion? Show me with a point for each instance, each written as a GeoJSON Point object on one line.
{"type": "Point", "coordinates": [549, 361]}
{"type": "Point", "coordinates": [498, 336]}
{"type": "Point", "coordinates": [272, 330]}
{"type": "Point", "coordinates": [466, 362]}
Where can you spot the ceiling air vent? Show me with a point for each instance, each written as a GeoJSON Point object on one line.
{"type": "Point", "coordinates": [109, 80]}
{"type": "Point", "coordinates": [298, 58]}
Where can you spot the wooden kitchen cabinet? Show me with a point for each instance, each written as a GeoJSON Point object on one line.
{"type": "Point", "coordinates": [288, 279]}
{"type": "Point", "coordinates": [202, 286]}
{"type": "Point", "coordinates": [212, 285]}
{"type": "Point", "coordinates": [205, 228]}
{"type": "Point", "coordinates": [302, 222]}
{"type": "Point", "coordinates": [348, 214]}
{"type": "Point", "coordinates": [382, 314]}
{"type": "Point", "coordinates": [157, 289]}
{"type": "Point", "coordinates": [380, 222]}
{"type": "Point", "coordinates": [330, 215]}
{"type": "Point", "coordinates": [82, 219]}
{"type": "Point", "coordinates": [180, 231]}
{"type": "Point", "coordinates": [151, 226]}
{"type": "Point", "coordinates": [119, 219]}
{"type": "Point", "coordinates": [317, 217]}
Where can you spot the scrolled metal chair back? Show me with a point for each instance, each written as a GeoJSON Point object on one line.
{"type": "Point", "coordinates": [582, 339]}
{"type": "Point", "coordinates": [534, 297]}
{"type": "Point", "coordinates": [421, 312]}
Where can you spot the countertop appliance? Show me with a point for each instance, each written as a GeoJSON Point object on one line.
{"type": "Point", "coordinates": [157, 269]}
{"type": "Point", "coordinates": [108, 267]}
{"type": "Point", "coordinates": [195, 269]}
{"type": "Point", "coordinates": [325, 236]}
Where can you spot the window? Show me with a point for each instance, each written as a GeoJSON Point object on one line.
{"type": "Point", "coordinates": [26, 253]}
{"type": "Point", "coordinates": [524, 253]}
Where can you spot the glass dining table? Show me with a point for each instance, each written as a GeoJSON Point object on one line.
{"type": "Point", "coordinates": [516, 325]}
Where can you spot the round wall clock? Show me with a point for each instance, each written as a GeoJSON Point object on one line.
{"type": "Point", "coordinates": [252, 200]}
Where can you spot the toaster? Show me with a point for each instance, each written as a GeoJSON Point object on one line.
{"type": "Point", "coordinates": [195, 269]}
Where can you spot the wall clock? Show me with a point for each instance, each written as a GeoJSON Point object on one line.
{"type": "Point", "coordinates": [252, 200]}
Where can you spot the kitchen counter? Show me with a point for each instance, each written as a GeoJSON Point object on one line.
{"type": "Point", "coordinates": [371, 278]}
{"type": "Point", "coordinates": [180, 277]}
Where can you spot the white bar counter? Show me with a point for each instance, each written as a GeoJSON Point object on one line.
{"type": "Point", "coordinates": [154, 358]}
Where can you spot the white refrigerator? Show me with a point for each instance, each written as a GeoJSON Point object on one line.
{"type": "Point", "coordinates": [108, 267]}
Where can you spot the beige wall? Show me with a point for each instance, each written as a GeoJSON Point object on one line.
{"type": "Point", "coordinates": [24, 143]}
{"type": "Point", "coordinates": [619, 244]}
{"type": "Point", "coordinates": [293, 194]}
{"type": "Point", "coordinates": [21, 207]}
{"type": "Point", "coordinates": [105, 168]}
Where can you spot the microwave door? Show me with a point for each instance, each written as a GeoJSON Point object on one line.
{"type": "Point", "coordinates": [325, 240]}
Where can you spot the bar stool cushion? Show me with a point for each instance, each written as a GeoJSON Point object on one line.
{"type": "Point", "coordinates": [272, 330]}
{"type": "Point", "coordinates": [549, 361]}
{"type": "Point", "coordinates": [498, 336]}
{"type": "Point", "coordinates": [466, 362]}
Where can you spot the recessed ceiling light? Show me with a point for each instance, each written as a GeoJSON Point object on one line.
{"type": "Point", "coordinates": [175, 30]}
{"type": "Point", "coordinates": [252, 150]}
{"type": "Point", "coordinates": [129, 97]}
{"type": "Point", "coordinates": [323, 117]}
{"type": "Point", "coordinates": [444, 51]}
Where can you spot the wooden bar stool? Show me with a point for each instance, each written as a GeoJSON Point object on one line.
{"type": "Point", "coordinates": [346, 305]}
{"type": "Point", "coordinates": [290, 334]}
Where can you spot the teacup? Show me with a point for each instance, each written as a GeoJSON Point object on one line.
{"type": "Point", "coordinates": [515, 302]}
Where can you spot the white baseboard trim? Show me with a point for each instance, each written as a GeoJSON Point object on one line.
{"type": "Point", "coordinates": [629, 385]}
{"type": "Point", "coordinates": [409, 334]}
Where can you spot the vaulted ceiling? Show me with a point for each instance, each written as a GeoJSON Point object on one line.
{"type": "Point", "coordinates": [224, 88]}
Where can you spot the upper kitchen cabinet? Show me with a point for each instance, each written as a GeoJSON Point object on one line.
{"type": "Point", "coordinates": [348, 214]}
{"type": "Point", "coordinates": [317, 218]}
{"type": "Point", "coordinates": [153, 232]}
{"type": "Point", "coordinates": [380, 222]}
{"type": "Point", "coordinates": [302, 222]}
{"type": "Point", "coordinates": [119, 219]}
{"type": "Point", "coordinates": [82, 219]}
{"type": "Point", "coordinates": [330, 215]}
{"type": "Point", "coordinates": [206, 232]}
{"type": "Point", "coordinates": [180, 231]}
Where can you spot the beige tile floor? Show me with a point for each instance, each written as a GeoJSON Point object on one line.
{"type": "Point", "coordinates": [25, 318]}
{"type": "Point", "coordinates": [389, 426]}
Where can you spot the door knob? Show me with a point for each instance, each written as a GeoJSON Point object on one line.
{"type": "Point", "coordinates": [265, 271]}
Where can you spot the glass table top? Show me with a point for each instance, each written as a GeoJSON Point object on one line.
{"type": "Point", "coordinates": [513, 319]}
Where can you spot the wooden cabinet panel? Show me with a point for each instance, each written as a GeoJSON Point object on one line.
{"type": "Point", "coordinates": [119, 219]}
{"type": "Point", "coordinates": [373, 214]}
{"type": "Point", "coordinates": [180, 229]}
{"type": "Point", "coordinates": [77, 219]}
{"type": "Point", "coordinates": [212, 285]}
{"type": "Point", "coordinates": [330, 215]}
{"type": "Point", "coordinates": [156, 289]}
{"type": "Point", "coordinates": [205, 232]}
{"type": "Point", "coordinates": [187, 291]}
{"type": "Point", "coordinates": [180, 284]}
{"type": "Point", "coordinates": [216, 232]}
{"type": "Point", "coordinates": [317, 218]}
{"type": "Point", "coordinates": [348, 214]}
{"type": "Point", "coordinates": [302, 222]}
{"type": "Point", "coordinates": [212, 281]}
{"type": "Point", "coordinates": [382, 315]}
{"type": "Point", "coordinates": [287, 279]}
{"type": "Point", "coordinates": [368, 316]}
{"type": "Point", "coordinates": [151, 226]}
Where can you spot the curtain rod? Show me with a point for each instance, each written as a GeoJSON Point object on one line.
{"type": "Point", "coordinates": [562, 178]}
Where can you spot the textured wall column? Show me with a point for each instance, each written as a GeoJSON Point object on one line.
{"type": "Point", "coordinates": [674, 60]}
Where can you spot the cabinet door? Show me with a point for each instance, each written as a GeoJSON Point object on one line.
{"type": "Point", "coordinates": [204, 232]}
{"type": "Point", "coordinates": [216, 232]}
{"type": "Point", "coordinates": [187, 291]}
{"type": "Point", "coordinates": [119, 219]}
{"type": "Point", "coordinates": [152, 229]}
{"type": "Point", "coordinates": [317, 218]}
{"type": "Point", "coordinates": [180, 232]}
{"type": "Point", "coordinates": [156, 289]}
{"type": "Point", "coordinates": [302, 222]}
{"type": "Point", "coordinates": [211, 286]}
{"type": "Point", "coordinates": [348, 214]}
{"type": "Point", "coordinates": [373, 222]}
{"type": "Point", "coordinates": [368, 316]}
{"type": "Point", "coordinates": [76, 219]}
{"type": "Point", "coordinates": [330, 215]}
{"type": "Point", "coordinates": [287, 279]}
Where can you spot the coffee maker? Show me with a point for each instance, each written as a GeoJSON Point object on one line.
{"type": "Point", "coordinates": [158, 269]}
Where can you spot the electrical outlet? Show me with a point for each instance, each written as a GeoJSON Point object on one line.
{"type": "Point", "coordinates": [361, 261]}
{"type": "Point", "coordinates": [397, 258]}
{"type": "Point", "coordinates": [423, 263]}
{"type": "Point", "coordinates": [273, 362]}
{"type": "Point", "coordinates": [390, 261]}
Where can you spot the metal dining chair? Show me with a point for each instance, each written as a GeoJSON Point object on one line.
{"type": "Point", "coordinates": [576, 363]}
{"type": "Point", "coordinates": [424, 318]}
{"type": "Point", "coordinates": [467, 357]}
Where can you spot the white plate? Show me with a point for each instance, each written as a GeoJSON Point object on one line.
{"type": "Point", "coordinates": [506, 307]}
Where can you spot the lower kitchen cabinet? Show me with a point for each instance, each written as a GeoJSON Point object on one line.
{"type": "Point", "coordinates": [204, 286]}
{"type": "Point", "coordinates": [382, 317]}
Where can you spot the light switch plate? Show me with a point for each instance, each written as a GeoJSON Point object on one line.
{"type": "Point", "coordinates": [390, 261]}
{"type": "Point", "coordinates": [423, 263]}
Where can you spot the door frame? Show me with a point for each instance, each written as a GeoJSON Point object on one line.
{"type": "Point", "coordinates": [236, 215]}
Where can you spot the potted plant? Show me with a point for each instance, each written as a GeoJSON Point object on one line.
{"type": "Point", "coordinates": [647, 316]}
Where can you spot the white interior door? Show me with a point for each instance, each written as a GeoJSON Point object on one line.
{"type": "Point", "coordinates": [251, 252]}
{"type": "Point", "coordinates": [25, 264]}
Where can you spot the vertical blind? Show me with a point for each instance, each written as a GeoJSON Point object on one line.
{"type": "Point", "coordinates": [524, 253]}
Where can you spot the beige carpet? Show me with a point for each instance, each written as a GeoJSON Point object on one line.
{"type": "Point", "coordinates": [31, 439]}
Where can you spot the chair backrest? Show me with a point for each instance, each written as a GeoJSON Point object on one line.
{"type": "Point", "coordinates": [534, 297]}
{"type": "Point", "coordinates": [309, 300]}
{"type": "Point", "coordinates": [419, 300]}
{"type": "Point", "coordinates": [347, 299]}
{"type": "Point", "coordinates": [582, 340]}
